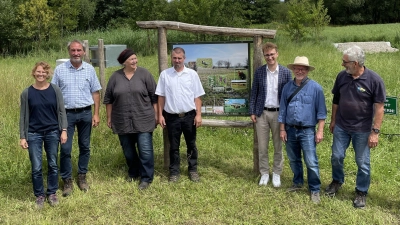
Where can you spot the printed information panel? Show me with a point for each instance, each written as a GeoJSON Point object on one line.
{"type": "Point", "coordinates": [391, 105]}
{"type": "Point", "coordinates": [224, 72]}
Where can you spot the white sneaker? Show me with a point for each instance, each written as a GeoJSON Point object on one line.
{"type": "Point", "coordinates": [264, 179]}
{"type": "Point", "coordinates": [276, 180]}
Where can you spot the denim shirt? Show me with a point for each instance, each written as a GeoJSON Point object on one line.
{"type": "Point", "coordinates": [307, 106]}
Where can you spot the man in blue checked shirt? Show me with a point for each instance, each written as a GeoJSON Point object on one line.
{"type": "Point", "coordinates": [266, 91]}
{"type": "Point", "coordinates": [299, 114]}
{"type": "Point", "coordinates": [80, 88]}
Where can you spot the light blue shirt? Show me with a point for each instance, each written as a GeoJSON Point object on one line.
{"type": "Point", "coordinates": [305, 108]}
{"type": "Point", "coordinates": [77, 85]}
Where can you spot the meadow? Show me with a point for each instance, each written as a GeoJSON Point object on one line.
{"type": "Point", "coordinates": [228, 192]}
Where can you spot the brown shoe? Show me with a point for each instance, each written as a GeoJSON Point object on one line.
{"type": "Point", "coordinates": [173, 178]}
{"type": "Point", "coordinates": [68, 186]}
{"type": "Point", "coordinates": [82, 184]}
{"type": "Point", "coordinates": [194, 176]}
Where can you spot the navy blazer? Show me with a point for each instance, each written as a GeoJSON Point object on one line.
{"type": "Point", "coordinates": [259, 88]}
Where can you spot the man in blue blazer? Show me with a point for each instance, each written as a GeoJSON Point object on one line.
{"type": "Point", "coordinates": [267, 86]}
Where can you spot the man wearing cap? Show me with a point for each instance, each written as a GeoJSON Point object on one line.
{"type": "Point", "coordinates": [357, 114]}
{"type": "Point", "coordinates": [179, 90]}
{"type": "Point", "coordinates": [80, 88]}
{"type": "Point", "coordinates": [266, 91]}
{"type": "Point", "coordinates": [302, 107]}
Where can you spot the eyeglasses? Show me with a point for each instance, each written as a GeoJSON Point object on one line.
{"type": "Point", "coordinates": [345, 62]}
{"type": "Point", "coordinates": [269, 55]}
{"type": "Point", "coordinates": [300, 70]}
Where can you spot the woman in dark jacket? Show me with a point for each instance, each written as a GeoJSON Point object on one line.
{"type": "Point", "coordinates": [131, 106]}
{"type": "Point", "coordinates": [43, 121]}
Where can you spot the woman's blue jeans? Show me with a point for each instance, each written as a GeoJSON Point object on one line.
{"type": "Point", "coordinates": [50, 140]}
{"type": "Point", "coordinates": [341, 141]}
{"type": "Point", "coordinates": [141, 162]}
{"type": "Point", "coordinates": [298, 141]}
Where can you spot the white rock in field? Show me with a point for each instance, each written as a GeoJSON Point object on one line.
{"type": "Point", "coordinates": [370, 47]}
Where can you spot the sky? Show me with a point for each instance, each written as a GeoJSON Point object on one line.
{"type": "Point", "coordinates": [233, 52]}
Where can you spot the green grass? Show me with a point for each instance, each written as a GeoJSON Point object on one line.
{"type": "Point", "coordinates": [228, 192]}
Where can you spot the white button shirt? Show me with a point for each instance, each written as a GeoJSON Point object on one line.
{"type": "Point", "coordinates": [272, 89]}
{"type": "Point", "coordinates": [179, 89]}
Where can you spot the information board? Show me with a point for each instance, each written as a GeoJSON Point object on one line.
{"type": "Point", "coordinates": [391, 105]}
{"type": "Point", "coordinates": [225, 74]}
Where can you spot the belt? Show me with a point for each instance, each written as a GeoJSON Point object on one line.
{"type": "Point", "coordinates": [79, 109]}
{"type": "Point", "coordinates": [180, 115]}
{"type": "Point", "coordinates": [271, 109]}
{"type": "Point", "coordinates": [298, 127]}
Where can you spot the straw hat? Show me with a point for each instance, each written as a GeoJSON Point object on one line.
{"type": "Point", "coordinates": [300, 61]}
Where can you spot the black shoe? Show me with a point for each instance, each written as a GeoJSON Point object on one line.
{"type": "Point", "coordinates": [194, 176]}
{"type": "Point", "coordinates": [173, 178]}
{"type": "Point", "coordinates": [143, 185]}
{"type": "Point", "coordinates": [360, 200]}
{"type": "Point", "coordinates": [333, 187]}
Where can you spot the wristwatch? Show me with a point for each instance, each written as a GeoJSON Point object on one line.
{"type": "Point", "coordinates": [376, 130]}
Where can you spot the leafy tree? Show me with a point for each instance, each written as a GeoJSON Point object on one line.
{"type": "Point", "coordinates": [9, 30]}
{"type": "Point", "coordinates": [226, 13]}
{"type": "Point", "coordinates": [66, 14]}
{"type": "Point", "coordinates": [345, 11]}
{"type": "Point", "coordinates": [37, 19]}
{"type": "Point", "coordinates": [145, 10]}
{"type": "Point", "coordinates": [109, 13]}
{"type": "Point", "coordinates": [306, 18]}
{"type": "Point", "coordinates": [279, 12]}
{"type": "Point", "coordinates": [319, 18]}
{"type": "Point", "coordinates": [259, 11]}
{"type": "Point", "coordinates": [299, 19]}
{"type": "Point", "coordinates": [87, 13]}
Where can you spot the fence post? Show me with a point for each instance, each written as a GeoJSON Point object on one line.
{"type": "Point", "coordinates": [101, 67]}
{"type": "Point", "coordinates": [257, 62]}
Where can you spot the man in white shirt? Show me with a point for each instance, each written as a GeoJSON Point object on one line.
{"type": "Point", "coordinates": [179, 90]}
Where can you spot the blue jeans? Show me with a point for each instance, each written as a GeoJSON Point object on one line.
{"type": "Point", "coordinates": [341, 141]}
{"type": "Point", "coordinates": [50, 139]}
{"type": "Point", "coordinates": [141, 164]}
{"type": "Point", "coordinates": [83, 122]}
{"type": "Point", "coordinates": [299, 140]}
{"type": "Point", "coordinates": [175, 127]}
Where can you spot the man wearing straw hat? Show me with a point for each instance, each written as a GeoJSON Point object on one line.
{"type": "Point", "coordinates": [302, 107]}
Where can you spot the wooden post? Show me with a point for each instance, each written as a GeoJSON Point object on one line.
{"type": "Point", "coordinates": [162, 49]}
{"type": "Point", "coordinates": [86, 57]}
{"type": "Point", "coordinates": [257, 62]}
{"type": "Point", "coordinates": [102, 66]}
{"type": "Point", "coordinates": [162, 65]}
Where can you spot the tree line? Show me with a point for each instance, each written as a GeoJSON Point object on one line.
{"type": "Point", "coordinates": [23, 22]}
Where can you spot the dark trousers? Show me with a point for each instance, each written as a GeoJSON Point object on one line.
{"type": "Point", "coordinates": [176, 126]}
